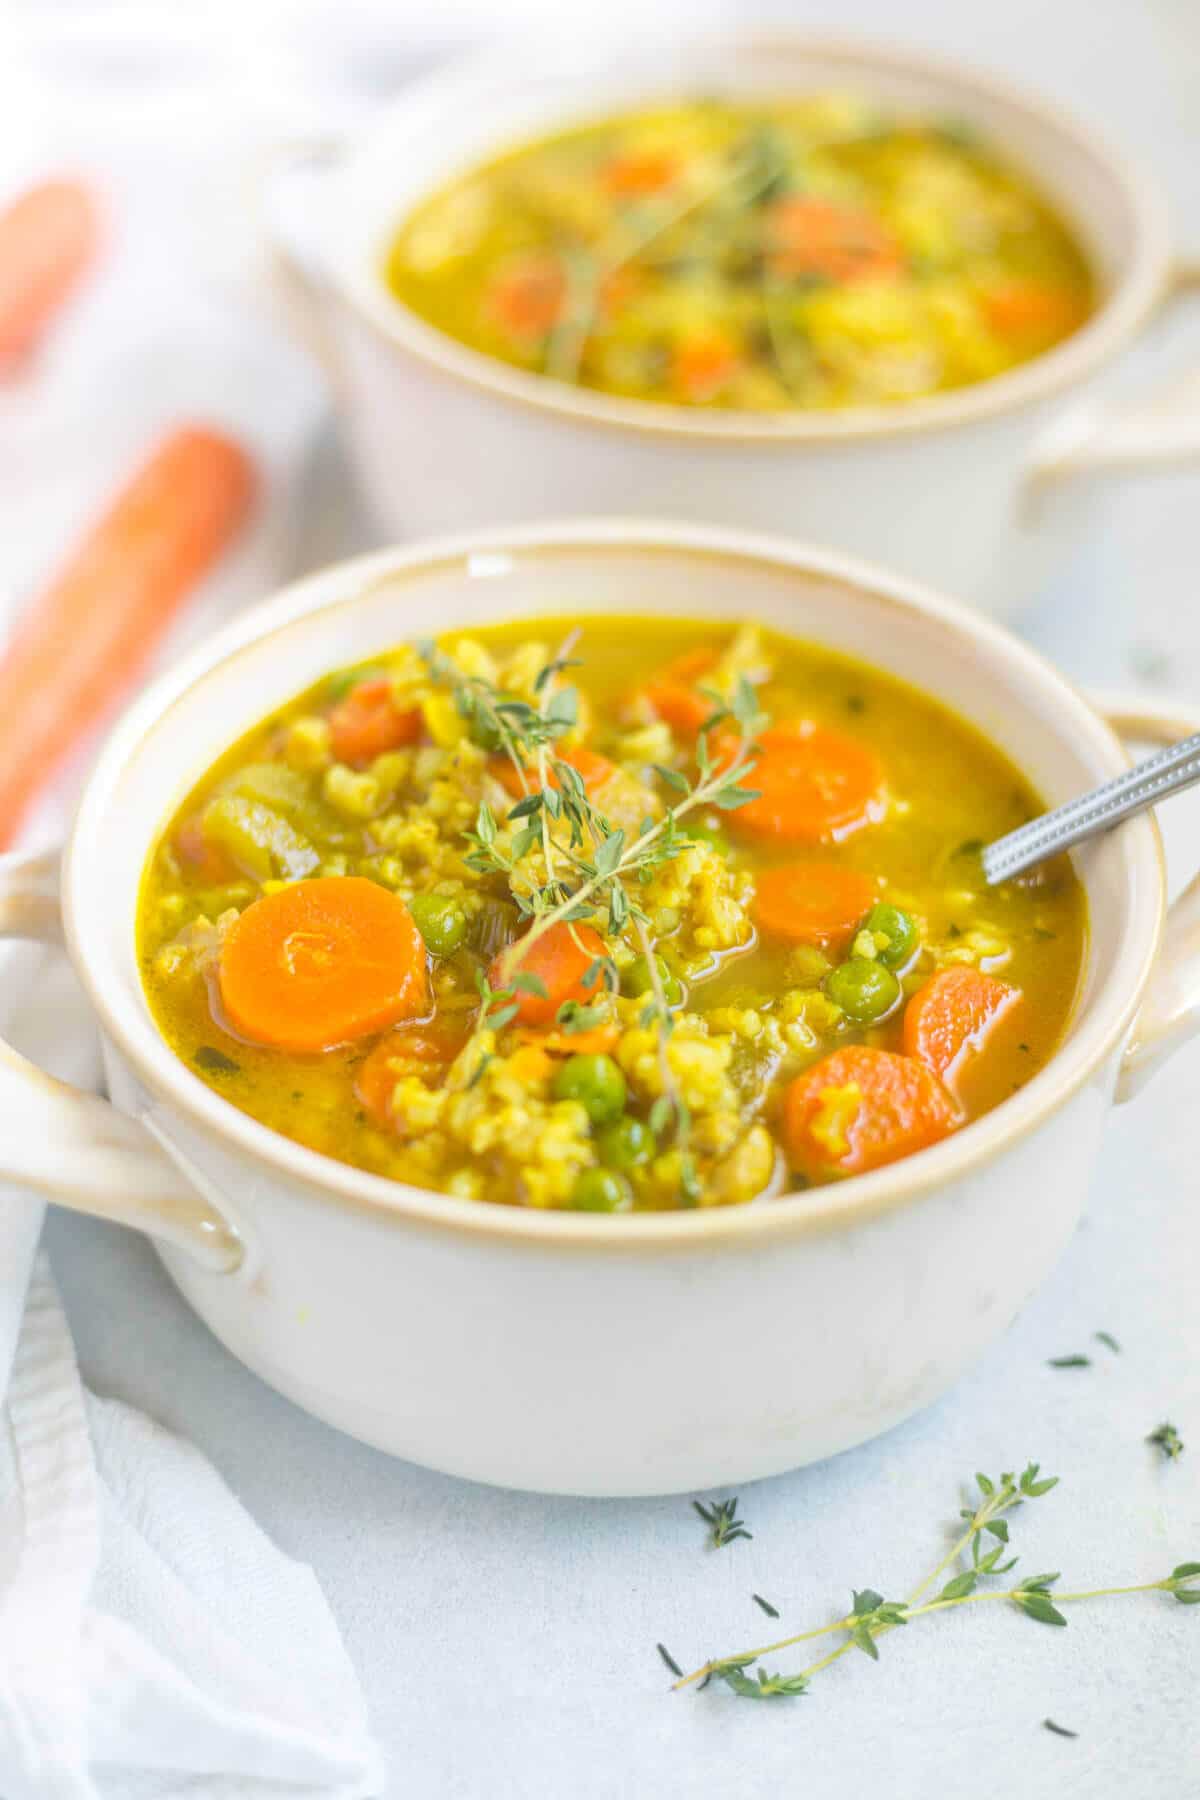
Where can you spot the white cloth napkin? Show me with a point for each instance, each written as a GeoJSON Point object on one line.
{"type": "Point", "coordinates": [149, 1632]}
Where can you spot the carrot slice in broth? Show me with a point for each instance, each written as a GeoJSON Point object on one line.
{"type": "Point", "coordinates": [861, 1108]}
{"type": "Point", "coordinates": [560, 959]}
{"type": "Point", "coordinates": [948, 1022]}
{"type": "Point", "coordinates": [815, 785]}
{"type": "Point", "coordinates": [368, 722]}
{"type": "Point", "coordinates": [813, 903]}
{"type": "Point", "coordinates": [321, 962]}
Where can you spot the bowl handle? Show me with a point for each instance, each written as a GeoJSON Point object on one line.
{"type": "Point", "coordinates": [1160, 431]}
{"type": "Point", "coordinates": [75, 1147]}
{"type": "Point", "coordinates": [1170, 1011]}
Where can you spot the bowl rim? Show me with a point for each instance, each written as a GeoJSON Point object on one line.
{"type": "Point", "coordinates": [1121, 313]}
{"type": "Point", "coordinates": [129, 1025]}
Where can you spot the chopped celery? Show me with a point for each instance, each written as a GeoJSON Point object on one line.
{"type": "Point", "coordinates": [261, 842]}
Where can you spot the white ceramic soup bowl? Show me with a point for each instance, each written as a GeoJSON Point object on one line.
{"type": "Point", "coordinates": [559, 1351]}
{"type": "Point", "coordinates": [976, 491]}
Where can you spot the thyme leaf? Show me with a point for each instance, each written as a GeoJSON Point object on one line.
{"type": "Point", "coordinates": [722, 1521]}
{"type": "Point", "coordinates": [1168, 1441]}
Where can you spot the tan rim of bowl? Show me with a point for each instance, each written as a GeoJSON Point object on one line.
{"type": "Point", "coordinates": [1117, 320]}
{"type": "Point", "coordinates": [129, 1025]}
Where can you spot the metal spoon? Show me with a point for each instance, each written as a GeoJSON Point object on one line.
{"type": "Point", "coordinates": [1166, 772]}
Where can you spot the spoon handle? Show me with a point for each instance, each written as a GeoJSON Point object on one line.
{"type": "Point", "coordinates": [1166, 772]}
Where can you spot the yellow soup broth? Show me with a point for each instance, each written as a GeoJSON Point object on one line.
{"type": "Point", "coordinates": [830, 984]}
{"type": "Point", "coordinates": [805, 253]}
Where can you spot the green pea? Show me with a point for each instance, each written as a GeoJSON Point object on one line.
{"type": "Point", "coordinates": [626, 1144]}
{"type": "Point", "coordinates": [900, 930]}
{"type": "Point", "coordinates": [440, 921]}
{"type": "Point", "coordinates": [864, 989]}
{"type": "Point", "coordinates": [601, 1190]}
{"type": "Point", "coordinates": [708, 832]}
{"type": "Point", "coordinates": [597, 1084]}
{"type": "Point", "coordinates": [636, 980]}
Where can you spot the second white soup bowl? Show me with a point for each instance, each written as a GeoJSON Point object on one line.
{"type": "Point", "coordinates": [977, 491]}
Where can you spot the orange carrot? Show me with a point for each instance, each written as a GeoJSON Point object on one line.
{"type": "Point", "coordinates": [813, 903]}
{"type": "Point", "coordinates": [702, 364]}
{"type": "Point", "coordinates": [592, 769]}
{"type": "Point", "coordinates": [368, 722]}
{"type": "Point", "coordinates": [320, 962]}
{"type": "Point", "coordinates": [48, 236]}
{"type": "Point", "coordinates": [560, 959]}
{"type": "Point", "coordinates": [810, 236]}
{"type": "Point", "coordinates": [815, 785]}
{"type": "Point", "coordinates": [948, 1022]}
{"type": "Point", "coordinates": [673, 695]}
{"type": "Point", "coordinates": [859, 1108]}
{"type": "Point", "coordinates": [527, 295]}
{"type": "Point", "coordinates": [1031, 309]}
{"type": "Point", "coordinates": [428, 1046]}
{"type": "Point", "coordinates": [85, 639]}
{"type": "Point", "coordinates": [206, 859]}
{"type": "Point", "coordinates": [639, 172]}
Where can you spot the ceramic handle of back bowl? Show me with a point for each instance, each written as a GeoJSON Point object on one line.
{"type": "Point", "coordinates": [75, 1147]}
{"type": "Point", "coordinates": [1170, 1011]}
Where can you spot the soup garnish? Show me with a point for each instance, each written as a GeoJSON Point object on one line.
{"type": "Point", "coordinates": [813, 252]}
{"type": "Point", "coordinates": [492, 918]}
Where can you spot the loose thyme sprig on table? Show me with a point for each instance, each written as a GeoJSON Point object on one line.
{"type": "Point", "coordinates": [723, 1523]}
{"type": "Point", "coordinates": [594, 870]}
{"type": "Point", "coordinates": [1168, 1440]}
{"type": "Point", "coordinates": [872, 1617]}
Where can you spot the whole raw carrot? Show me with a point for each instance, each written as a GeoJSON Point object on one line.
{"type": "Point", "coordinates": [82, 643]}
{"type": "Point", "coordinates": [48, 236]}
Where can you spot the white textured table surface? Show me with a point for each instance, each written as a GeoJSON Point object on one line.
{"type": "Point", "coordinates": [507, 1643]}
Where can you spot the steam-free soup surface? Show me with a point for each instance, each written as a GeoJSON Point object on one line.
{"type": "Point", "coordinates": [813, 252]}
{"type": "Point", "coordinates": [693, 920]}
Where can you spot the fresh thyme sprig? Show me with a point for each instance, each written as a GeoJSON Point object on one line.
{"type": "Point", "coordinates": [871, 1616]}
{"type": "Point", "coordinates": [1168, 1441]}
{"type": "Point", "coordinates": [588, 868]}
{"type": "Point", "coordinates": [722, 1521]}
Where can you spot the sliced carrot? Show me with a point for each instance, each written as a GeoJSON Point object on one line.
{"type": "Point", "coordinates": [48, 236]}
{"type": "Point", "coordinates": [204, 858]}
{"type": "Point", "coordinates": [84, 641]}
{"type": "Point", "coordinates": [560, 959]}
{"type": "Point", "coordinates": [592, 769]}
{"type": "Point", "coordinates": [428, 1046]}
{"type": "Point", "coordinates": [702, 364]}
{"type": "Point", "coordinates": [813, 903]}
{"type": "Point", "coordinates": [526, 296]}
{"type": "Point", "coordinates": [809, 236]}
{"type": "Point", "coordinates": [859, 1108]}
{"type": "Point", "coordinates": [948, 1022]}
{"type": "Point", "coordinates": [1032, 309]}
{"type": "Point", "coordinates": [368, 722]}
{"type": "Point", "coordinates": [815, 785]}
{"type": "Point", "coordinates": [673, 695]}
{"type": "Point", "coordinates": [321, 962]}
{"type": "Point", "coordinates": [638, 172]}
